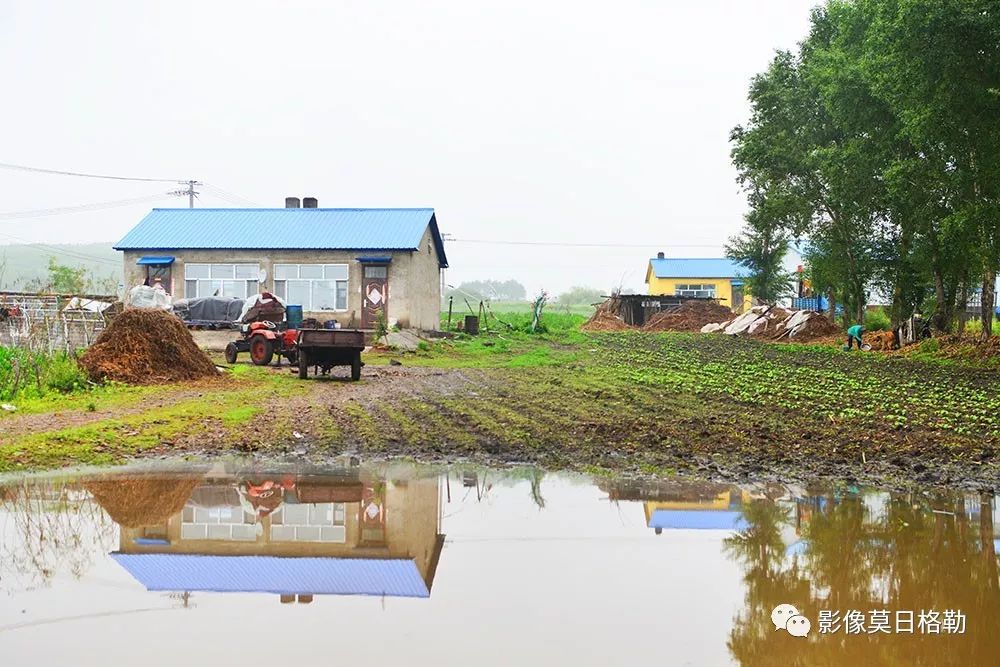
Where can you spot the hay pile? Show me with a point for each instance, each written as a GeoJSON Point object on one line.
{"type": "Point", "coordinates": [146, 346]}
{"type": "Point", "coordinates": [142, 501]}
{"type": "Point", "coordinates": [605, 318]}
{"type": "Point", "coordinates": [689, 316]}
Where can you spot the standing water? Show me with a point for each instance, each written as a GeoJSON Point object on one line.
{"type": "Point", "coordinates": [233, 563]}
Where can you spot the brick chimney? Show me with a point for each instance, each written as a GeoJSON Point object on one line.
{"type": "Point", "coordinates": [291, 202]}
{"type": "Point", "coordinates": [310, 202]}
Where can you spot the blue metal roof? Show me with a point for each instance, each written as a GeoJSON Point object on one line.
{"type": "Point", "coordinates": [271, 574]}
{"type": "Point", "coordinates": [710, 267]}
{"type": "Point", "coordinates": [284, 229]}
{"type": "Point", "coordinates": [697, 519]}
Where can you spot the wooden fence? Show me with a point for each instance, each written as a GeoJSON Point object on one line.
{"type": "Point", "coordinates": [51, 322]}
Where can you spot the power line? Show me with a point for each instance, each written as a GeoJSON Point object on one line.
{"type": "Point", "coordinates": [231, 197]}
{"type": "Point", "coordinates": [583, 245]}
{"type": "Point", "coordinates": [60, 251]}
{"type": "Point", "coordinates": [59, 172]}
{"type": "Point", "coordinates": [60, 210]}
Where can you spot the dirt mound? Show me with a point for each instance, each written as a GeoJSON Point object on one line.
{"type": "Point", "coordinates": [604, 321]}
{"type": "Point", "coordinates": [606, 318]}
{"type": "Point", "coordinates": [689, 316]}
{"type": "Point", "coordinates": [145, 346]}
{"type": "Point", "coordinates": [142, 501]}
{"type": "Point", "coordinates": [816, 328]}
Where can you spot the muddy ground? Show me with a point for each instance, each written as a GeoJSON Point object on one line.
{"type": "Point", "coordinates": [624, 402]}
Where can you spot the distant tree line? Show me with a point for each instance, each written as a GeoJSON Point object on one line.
{"type": "Point", "coordinates": [512, 290]}
{"type": "Point", "coordinates": [877, 142]}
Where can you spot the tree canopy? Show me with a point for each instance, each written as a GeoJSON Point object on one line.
{"type": "Point", "coordinates": [876, 142]}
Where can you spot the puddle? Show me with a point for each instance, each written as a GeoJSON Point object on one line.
{"type": "Point", "coordinates": [223, 563]}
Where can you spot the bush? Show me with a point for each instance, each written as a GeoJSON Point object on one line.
{"type": "Point", "coordinates": [23, 374]}
{"type": "Point", "coordinates": [877, 320]}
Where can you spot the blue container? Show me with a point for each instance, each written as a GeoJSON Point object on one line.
{"type": "Point", "coordinates": [293, 316]}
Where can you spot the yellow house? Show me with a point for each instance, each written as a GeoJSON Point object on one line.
{"type": "Point", "coordinates": [706, 278]}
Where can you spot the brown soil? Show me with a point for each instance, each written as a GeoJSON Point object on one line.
{"type": "Point", "coordinates": [689, 316]}
{"type": "Point", "coordinates": [818, 328]}
{"type": "Point", "coordinates": [142, 501]}
{"type": "Point", "coordinates": [145, 346]}
{"type": "Point", "coordinates": [605, 318]}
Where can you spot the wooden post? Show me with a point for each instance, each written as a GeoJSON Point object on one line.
{"type": "Point", "coordinates": [451, 300]}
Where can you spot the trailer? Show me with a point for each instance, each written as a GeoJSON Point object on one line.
{"type": "Point", "coordinates": [325, 348]}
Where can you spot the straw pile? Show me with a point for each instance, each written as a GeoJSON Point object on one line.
{"type": "Point", "coordinates": [146, 346]}
{"type": "Point", "coordinates": [689, 316]}
{"type": "Point", "coordinates": [605, 318]}
{"type": "Point", "coordinates": [142, 501]}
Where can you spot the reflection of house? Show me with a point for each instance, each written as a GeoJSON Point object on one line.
{"type": "Point", "coordinates": [720, 512]}
{"type": "Point", "coordinates": [293, 535]}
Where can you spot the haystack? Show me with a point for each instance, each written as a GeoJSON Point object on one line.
{"type": "Point", "coordinates": [689, 316]}
{"type": "Point", "coordinates": [146, 346]}
{"type": "Point", "coordinates": [606, 317]}
{"type": "Point", "coordinates": [142, 501]}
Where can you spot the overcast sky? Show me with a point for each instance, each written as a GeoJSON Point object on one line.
{"type": "Point", "coordinates": [536, 121]}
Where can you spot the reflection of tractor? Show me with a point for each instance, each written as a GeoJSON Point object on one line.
{"type": "Point", "coordinates": [319, 348]}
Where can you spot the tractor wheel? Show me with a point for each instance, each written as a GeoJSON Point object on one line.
{"type": "Point", "coordinates": [232, 353]}
{"type": "Point", "coordinates": [356, 367]}
{"type": "Point", "coordinates": [303, 365]}
{"type": "Point", "coordinates": [261, 351]}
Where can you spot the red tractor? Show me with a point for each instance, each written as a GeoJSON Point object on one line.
{"type": "Point", "coordinates": [319, 349]}
{"type": "Point", "coordinates": [263, 340]}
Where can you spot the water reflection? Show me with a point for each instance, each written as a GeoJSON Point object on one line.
{"type": "Point", "coordinates": [529, 557]}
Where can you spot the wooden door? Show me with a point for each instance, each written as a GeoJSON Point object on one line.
{"type": "Point", "coordinates": [374, 294]}
{"type": "Point", "coordinates": [737, 306]}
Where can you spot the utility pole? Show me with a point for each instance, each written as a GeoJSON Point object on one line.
{"type": "Point", "coordinates": [190, 192]}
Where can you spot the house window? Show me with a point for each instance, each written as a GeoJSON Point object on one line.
{"type": "Point", "coordinates": [315, 287]}
{"type": "Point", "coordinates": [317, 522]}
{"type": "Point", "coordinates": [201, 280]}
{"type": "Point", "coordinates": [700, 291]}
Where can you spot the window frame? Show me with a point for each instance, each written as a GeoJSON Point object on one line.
{"type": "Point", "coordinates": [333, 273]}
{"type": "Point", "coordinates": [194, 278]}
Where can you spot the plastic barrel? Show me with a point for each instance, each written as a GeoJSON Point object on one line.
{"type": "Point", "coordinates": [293, 316]}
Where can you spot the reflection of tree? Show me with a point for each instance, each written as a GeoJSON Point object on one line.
{"type": "Point", "coordinates": [50, 526]}
{"type": "Point", "coordinates": [761, 551]}
{"type": "Point", "coordinates": [922, 553]}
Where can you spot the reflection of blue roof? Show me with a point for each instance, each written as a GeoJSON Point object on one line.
{"type": "Point", "coordinates": [796, 548]}
{"type": "Point", "coordinates": [697, 519]}
{"type": "Point", "coordinates": [715, 267]}
{"type": "Point", "coordinates": [270, 574]}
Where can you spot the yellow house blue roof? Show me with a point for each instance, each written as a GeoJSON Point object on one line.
{"type": "Point", "coordinates": [365, 229]}
{"type": "Point", "coordinates": [706, 267]}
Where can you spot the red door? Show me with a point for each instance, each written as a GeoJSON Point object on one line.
{"type": "Point", "coordinates": [374, 294]}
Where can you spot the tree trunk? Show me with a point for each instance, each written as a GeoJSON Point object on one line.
{"type": "Point", "coordinates": [962, 304]}
{"type": "Point", "coordinates": [940, 319]}
{"type": "Point", "coordinates": [989, 298]}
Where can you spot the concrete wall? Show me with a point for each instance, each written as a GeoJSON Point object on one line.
{"type": "Point", "coordinates": [414, 278]}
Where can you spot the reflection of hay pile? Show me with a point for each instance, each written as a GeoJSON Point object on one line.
{"type": "Point", "coordinates": [606, 318]}
{"type": "Point", "coordinates": [145, 346]}
{"type": "Point", "coordinates": [142, 501]}
{"type": "Point", "coordinates": [689, 316]}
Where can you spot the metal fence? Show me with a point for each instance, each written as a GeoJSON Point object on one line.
{"type": "Point", "coordinates": [51, 322]}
